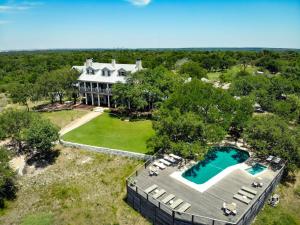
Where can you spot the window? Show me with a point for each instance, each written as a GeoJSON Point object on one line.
{"type": "Point", "coordinates": [108, 73]}
{"type": "Point", "coordinates": [103, 72]}
{"type": "Point", "coordinates": [122, 73]}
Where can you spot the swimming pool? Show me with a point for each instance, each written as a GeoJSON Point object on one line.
{"type": "Point", "coordinates": [256, 169]}
{"type": "Point", "coordinates": [217, 160]}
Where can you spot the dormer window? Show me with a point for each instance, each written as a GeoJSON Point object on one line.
{"type": "Point", "coordinates": [122, 73]}
{"type": "Point", "coordinates": [106, 72]}
{"type": "Point", "coordinates": [90, 71]}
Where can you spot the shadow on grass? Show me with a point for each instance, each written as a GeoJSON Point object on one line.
{"type": "Point", "coordinates": [43, 159]}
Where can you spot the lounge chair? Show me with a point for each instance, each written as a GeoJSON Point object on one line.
{"type": "Point", "coordinates": [242, 198]}
{"type": "Point", "coordinates": [165, 162]}
{"type": "Point", "coordinates": [270, 158]}
{"type": "Point", "coordinates": [168, 198]}
{"type": "Point", "coordinates": [277, 160]}
{"type": "Point", "coordinates": [184, 207]}
{"type": "Point", "coordinates": [151, 188]}
{"type": "Point", "coordinates": [159, 165]}
{"type": "Point", "coordinates": [175, 157]}
{"type": "Point", "coordinates": [247, 194]}
{"type": "Point", "coordinates": [176, 203]}
{"type": "Point", "coordinates": [251, 191]}
{"type": "Point", "coordinates": [159, 193]}
{"type": "Point", "coordinates": [229, 208]}
{"type": "Point", "coordinates": [257, 184]}
{"type": "Point", "coordinates": [170, 159]}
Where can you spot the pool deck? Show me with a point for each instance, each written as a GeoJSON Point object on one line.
{"type": "Point", "coordinates": [208, 203]}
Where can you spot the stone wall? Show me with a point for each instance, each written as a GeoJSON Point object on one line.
{"type": "Point", "coordinates": [106, 150]}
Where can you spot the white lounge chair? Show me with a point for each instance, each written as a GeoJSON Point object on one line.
{"type": "Point", "coordinates": [170, 159]}
{"type": "Point", "coordinates": [151, 188]}
{"type": "Point", "coordinates": [168, 198]}
{"type": "Point", "coordinates": [153, 171]}
{"type": "Point", "coordinates": [270, 158]}
{"type": "Point", "coordinates": [159, 165]}
{"type": "Point", "coordinates": [175, 157]}
{"type": "Point", "coordinates": [251, 191]}
{"type": "Point", "coordinates": [159, 193]}
{"type": "Point", "coordinates": [165, 162]}
{"type": "Point", "coordinates": [247, 194]}
{"type": "Point", "coordinates": [241, 198]}
{"type": "Point", "coordinates": [176, 203]}
{"type": "Point", "coordinates": [184, 207]}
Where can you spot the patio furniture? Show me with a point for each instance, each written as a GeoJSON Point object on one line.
{"type": "Point", "coordinates": [229, 208]}
{"type": "Point", "coordinates": [176, 203]}
{"type": "Point", "coordinates": [153, 171]}
{"type": "Point", "coordinates": [168, 198]}
{"type": "Point", "coordinates": [175, 157]}
{"type": "Point", "coordinates": [159, 193]}
{"type": "Point", "coordinates": [251, 191]}
{"type": "Point", "coordinates": [274, 200]}
{"type": "Point", "coordinates": [241, 198]}
{"type": "Point", "coordinates": [159, 165]}
{"type": "Point", "coordinates": [184, 207]}
{"type": "Point", "coordinates": [247, 194]}
{"type": "Point", "coordinates": [151, 188]}
{"type": "Point", "coordinates": [270, 158]}
{"type": "Point", "coordinates": [165, 162]}
{"type": "Point", "coordinates": [277, 160]}
{"type": "Point", "coordinates": [170, 159]}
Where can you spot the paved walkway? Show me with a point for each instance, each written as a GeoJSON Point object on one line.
{"type": "Point", "coordinates": [80, 121]}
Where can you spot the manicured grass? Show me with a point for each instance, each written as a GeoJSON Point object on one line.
{"type": "Point", "coordinates": [81, 187]}
{"type": "Point", "coordinates": [63, 118]}
{"type": "Point", "coordinates": [112, 132]}
{"type": "Point", "coordinates": [287, 212]}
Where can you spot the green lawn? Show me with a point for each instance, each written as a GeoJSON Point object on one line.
{"type": "Point", "coordinates": [63, 118]}
{"type": "Point", "coordinates": [111, 132]}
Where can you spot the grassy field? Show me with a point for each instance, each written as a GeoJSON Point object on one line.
{"type": "Point", "coordinates": [111, 132]}
{"type": "Point", "coordinates": [79, 188]}
{"type": "Point", "coordinates": [63, 118]}
{"type": "Point", "coordinates": [288, 211]}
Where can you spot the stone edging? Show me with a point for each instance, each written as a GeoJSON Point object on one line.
{"type": "Point", "coordinates": [106, 150]}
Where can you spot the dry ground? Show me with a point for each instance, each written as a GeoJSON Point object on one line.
{"type": "Point", "coordinates": [79, 188]}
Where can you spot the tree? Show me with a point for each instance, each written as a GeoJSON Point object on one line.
{"type": "Point", "coordinates": [12, 125]}
{"type": "Point", "coordinates": [193, 69]}
{"type": "Point", "coordinates": [270, 135]}
{"type": "Point", "coordinates": [7, 179]}
{"type": "Point", "coordinates": [41, 135]}
{"type": "Point", "coordinates": [22, 93]}
{"type": "Point", "coordinates": [195, 116]}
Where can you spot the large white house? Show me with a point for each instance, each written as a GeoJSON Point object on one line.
{"type": "Point", "coordinates": [96, 80]}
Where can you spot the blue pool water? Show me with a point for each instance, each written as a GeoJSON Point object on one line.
{"type": "Point", "coordinates": [215, 161]}
{"type": "Point", "coordinates": [256, 168]}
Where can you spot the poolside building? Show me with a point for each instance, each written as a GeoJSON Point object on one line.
{"type": "Point", "coordinates": [96, 80]}
{"type": "Point", "coordinates": [167, 198]}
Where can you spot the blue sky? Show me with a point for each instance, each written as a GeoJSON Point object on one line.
{"type": "Point", "coordinates": [42, 24]}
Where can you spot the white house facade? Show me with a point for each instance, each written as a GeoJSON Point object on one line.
{"type": "Point", "coordinates": [96, 80]}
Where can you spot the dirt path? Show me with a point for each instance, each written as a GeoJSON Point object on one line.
{"type": "Point", "coordinates": [78, 122]}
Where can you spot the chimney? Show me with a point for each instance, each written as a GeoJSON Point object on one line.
{"type": "Point", "coordinates": [139, 64]}
{"type": "Point", "coordinates": [89, 63]}
{"type": "Point", "coordinates": [113, 63]}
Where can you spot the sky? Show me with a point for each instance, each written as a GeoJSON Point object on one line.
{"type": "Point", "coordinates": [47, 24]}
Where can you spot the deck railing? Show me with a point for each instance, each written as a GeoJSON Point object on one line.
{"type": "Point", "coordinates": [245, 219]}
{"type": "Point", "coordinates": [96, 90]}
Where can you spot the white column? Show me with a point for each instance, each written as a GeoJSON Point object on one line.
{"type": "Point", "coordinates": [92, 95]}
{"type": "Point", "coordinates": [85, 95]}
{"type": "Point", "coordinates": [108, 97]}
{"type": "Point", "coordinates": [84, 86]}
{"type": "Point", "coordinates": [91, 87]}
{"type": "Point", "coordinates": [97, 86]}
{"type": "Point", "coordinates": [98, 100]}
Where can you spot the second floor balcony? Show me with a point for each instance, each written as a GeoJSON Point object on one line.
{"type": "Point", "coordinates": [96, 90]}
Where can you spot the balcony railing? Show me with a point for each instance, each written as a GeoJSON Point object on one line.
{"type": "Point", "coordinates": [96, 90]}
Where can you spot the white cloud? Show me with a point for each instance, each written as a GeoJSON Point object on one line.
{"type": "Point", "coordinates": [10, 7]}
{"type": "Point", "coordinates": [140, 2]}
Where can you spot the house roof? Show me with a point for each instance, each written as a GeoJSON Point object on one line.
{"type": "Point", "coordinates": [98, 77]}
